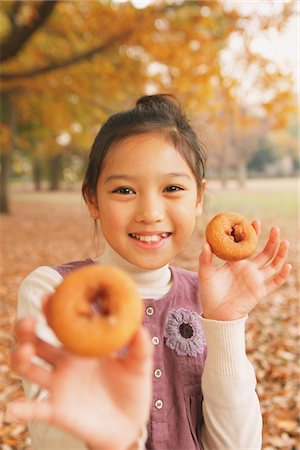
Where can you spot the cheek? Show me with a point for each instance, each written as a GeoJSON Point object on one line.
{"type": "Point", "coordinates": [185, 219]}
{"type": "Point", "coordinates": [186, 214]}
{"type": "Point", "coordinates": [187, 210]}
{"type": "Point", "coordinates": [114, 217]}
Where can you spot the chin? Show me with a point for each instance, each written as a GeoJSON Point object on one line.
{"type": "Point", "coordinates": [152, 266]}
{"type": "Point", "coordinates": [149, 265]}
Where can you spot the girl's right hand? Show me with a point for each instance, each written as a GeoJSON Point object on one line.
{"type": "Point", "coordinates": [104, 402]}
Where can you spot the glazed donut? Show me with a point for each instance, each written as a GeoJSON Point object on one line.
{"type": "Point", "coordinates": [231, 236]}
{"type": "Point", "coordinates": [95, 310]}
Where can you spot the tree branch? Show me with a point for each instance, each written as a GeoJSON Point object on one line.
{"type": "Point", "coordinates": [20, 34]}
{"type": "Point", "coordinates": [74, 59]}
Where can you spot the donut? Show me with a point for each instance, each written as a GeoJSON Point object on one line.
{"type": "Point", "coordinates": [95, 310]}
{"type": "Point", "coordinates": [231, 236]}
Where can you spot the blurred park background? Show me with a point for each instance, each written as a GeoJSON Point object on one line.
{"type": "Point", "coordinates": [68, 65]}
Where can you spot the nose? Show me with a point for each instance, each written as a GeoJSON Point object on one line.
{"type": "Point", "coordinates": [150, 210]}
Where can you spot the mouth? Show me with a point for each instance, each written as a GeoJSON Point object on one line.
{"type": "Point", "coordinates": [149, 238]}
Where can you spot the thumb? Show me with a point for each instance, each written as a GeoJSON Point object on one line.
{"type": "Point", "coordinates": [205, 261]}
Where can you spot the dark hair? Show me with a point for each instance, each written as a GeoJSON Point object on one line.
{"type": "Point", "coordinates": [159, 114]}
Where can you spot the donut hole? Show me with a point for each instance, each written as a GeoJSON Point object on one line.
{"type": "Point", "coordinates": [237, 233]}
{"type": "Point", "coordinates": [99, 304]}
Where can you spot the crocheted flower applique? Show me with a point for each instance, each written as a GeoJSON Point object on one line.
{"type": "Point", "coordinates": [183, 332]}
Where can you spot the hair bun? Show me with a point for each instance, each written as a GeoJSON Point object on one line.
{"type": "Point", "coordinates": [157, 101]}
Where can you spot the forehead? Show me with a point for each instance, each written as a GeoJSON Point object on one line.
{"type": "Point", "coordinates": [146, 151]}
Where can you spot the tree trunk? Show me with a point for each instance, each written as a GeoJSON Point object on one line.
{"type": "Point", "coordinates": [8, 116]}
{"type": "Point", "coordinates": [224, 167]}
{"type": "Point", "coordinates": [37, 173]}
{"type": "Point", "coordinates": [55, 172]}
{"type": "Point", "coordinates": [242, 174]}
{"type": "Point", "coordinates": [4, 177]}
{"type": "Point", "coordinates": [224, 176]}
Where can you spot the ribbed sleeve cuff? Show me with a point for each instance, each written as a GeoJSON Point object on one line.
{"type": "Point", "coordinates": [226, 349]}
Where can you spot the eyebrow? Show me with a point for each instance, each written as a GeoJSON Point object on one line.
{"type": "Point", "coordinates": [132, 178]}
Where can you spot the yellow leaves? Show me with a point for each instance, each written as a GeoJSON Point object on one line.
{"type": "Point", "coordinates": [5, 138]}
{"type": "Point", "coordinates": [26, 14]}
{"type": "Point", "coordinates": [287, 425]}
{"type": "Point", "coordinates": [5, 25]}
{"type": "Point", "coordinates": [272, 343]}
{"type": "Point", "coordinates": [184, 39]}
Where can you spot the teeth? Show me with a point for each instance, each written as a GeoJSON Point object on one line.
{"type": "Point", "coordinates": [152, 238]}
{"type": "Point", "coordinates": [149, 238]}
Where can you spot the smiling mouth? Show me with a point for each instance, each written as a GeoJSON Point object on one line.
{"type": "Point", "coordinates": [150, 237]}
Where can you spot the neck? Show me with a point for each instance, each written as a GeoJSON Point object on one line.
{"type": "Point", "coordinates": [151, 283]}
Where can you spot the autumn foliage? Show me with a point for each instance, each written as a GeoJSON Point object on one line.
{"type": "Point", "coordinates": [67, 65]}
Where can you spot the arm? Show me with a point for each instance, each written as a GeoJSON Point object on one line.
{"type": "Point", "coordinates": [39, 283]}
{"type": "Point", "coordinates": [231, 408]}
{"type": "Point", "coordinates": [232, 417]}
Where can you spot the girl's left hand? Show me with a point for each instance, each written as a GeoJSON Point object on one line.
{"type": "Point", "coordinates": [233, 290]}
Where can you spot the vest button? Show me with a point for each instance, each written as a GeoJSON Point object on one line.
{"type": "Point", "coordinates": [149, 311]}
{"type": "Point", "coordinates": [159, 404]}
{"type": "Point", "coordinates": [157, 373]}
{"type": "Point", "coordinates": [155, 340]}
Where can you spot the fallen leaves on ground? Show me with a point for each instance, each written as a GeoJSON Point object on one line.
{"type": "Point", "coordinates": [49, 232]}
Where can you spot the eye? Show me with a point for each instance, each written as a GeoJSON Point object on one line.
{"type": "Point", "coordinates": [123, 190]}
{"type": "Point", "coordinates": [173, 188]}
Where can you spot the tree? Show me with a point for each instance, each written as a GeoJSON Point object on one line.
{"type": "Point", "coordinates": [263, 156]}
{"type": "Point", "coordinates": [26, 20]}
{"type": "Point", "coordinates": [85, 56]}
{"type": "Point", "coordinates": [123, 52]}
{"type": "Point", "coordinates": [8, 122]}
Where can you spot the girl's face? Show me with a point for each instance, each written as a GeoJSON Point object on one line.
{"type": "Point", "coordinates": [146, 200]}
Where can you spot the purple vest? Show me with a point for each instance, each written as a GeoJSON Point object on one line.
{"type": "Point", "coordinates": [179, 357]}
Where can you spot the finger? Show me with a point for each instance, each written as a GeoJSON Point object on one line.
{"type": "Point", "coordinates": [268, 252]}
{"type": "Point", "coordinates": [46, 303]}
{"type": "Point", "coordinates": [48, 352]}
{"type": "Point", "coordinates": [27, 411]}
{"type": "Point", "coordinates": [279, 279]}
{"type": "Point", "coordinates": [278, 261]}
{"type": "Point", "coordinates": [140, 351]}
{"type": "Point", "coordinates": [22, 363]}
{"type": "Point", "coordinates": [24, 330]}
{"type": "Point", "coordinates": [257, 226]}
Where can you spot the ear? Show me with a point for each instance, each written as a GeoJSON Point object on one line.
{"type": "Point", "coordinates": [91, 201]}
{"type": "Point", "coordinates": [199, 204]}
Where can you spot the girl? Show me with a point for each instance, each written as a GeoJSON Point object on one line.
{"type": "Point", "coordinates": [144, 186]}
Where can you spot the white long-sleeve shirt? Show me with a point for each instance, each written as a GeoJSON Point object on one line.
{"type": "Point", "coordinates": [231, 411]}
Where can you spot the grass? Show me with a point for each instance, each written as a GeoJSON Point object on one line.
{"type": "Point", "coordinates": [272, 205]}
{"type": "Point", "coordinates": [270, 201]}
{"type": "Point", "coordinates": [274, 202]}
